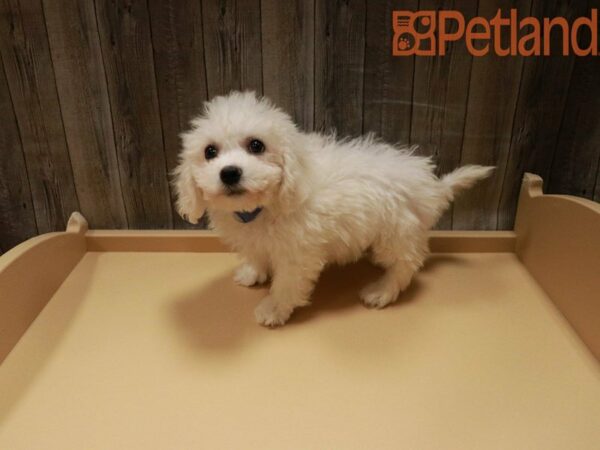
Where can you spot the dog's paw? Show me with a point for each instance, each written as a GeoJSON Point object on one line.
{"type": "Point", "coordinates": [247, 275]}
{"type": "Point", "coordinates": [271, 313]}
{"type": "Point", "coordinates": [377, 295]}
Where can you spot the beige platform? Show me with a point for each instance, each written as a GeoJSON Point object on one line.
{"type": "Point", "coordinates": [140, 340]}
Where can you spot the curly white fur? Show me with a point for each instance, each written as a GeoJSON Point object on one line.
{"type": "Point", "coordinates": [325, 201]}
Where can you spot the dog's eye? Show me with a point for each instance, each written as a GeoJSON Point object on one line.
{"type": "Point", "coordinates": [256, 146]}
{"type": "Point", "coordinates": [210, 152]}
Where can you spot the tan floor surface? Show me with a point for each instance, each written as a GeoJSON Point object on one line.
{"type": "Point", "coordinates": [160, 351]}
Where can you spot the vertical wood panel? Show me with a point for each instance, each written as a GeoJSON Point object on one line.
{"type": "Point", "coordinates": [493, 93]}
{"type": "Point", "coordinates": [339, 65]}
{"type": "Point", "coordinates": [17, 219]}
{"type": "Point", "coordinates": [597, 189]}
{"type": "Point", "coordinates": [440, 93]}
{"type": "Point", "coordinates": [81, 83]}
{"type": "Point", "coordinates": [232, 45]}
{"type": "Point", "coordinates": [288, 32]}
{"type": "Point", "coordinates": [126, 43]}
{"type": "Point", "coordinates": [539, 111]}
{"type": "Point", "coordinates": [125, 77]}
{"type": "Point", "coordinates": [28, 65]}
{"type": "Point", "coordinates": [576, 158]}
{"type": "Point", "coordinates": [180, 72]}
{"type": "Point", "coordinates": [388, 83]}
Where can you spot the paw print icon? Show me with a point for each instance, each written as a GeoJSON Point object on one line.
{"type": "Point", "coordinates": [406, 42]}
{"type": "Point", "coordinates": [414, 33]}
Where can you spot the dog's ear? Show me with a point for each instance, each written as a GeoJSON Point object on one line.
{"type": "Point", "coordinates": [293, 189]}
{"type": "Point", "coordinates": [190, 204]}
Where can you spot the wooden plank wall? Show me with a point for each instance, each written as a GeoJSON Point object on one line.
{"type": "Point", "coordinates": [93, 96]}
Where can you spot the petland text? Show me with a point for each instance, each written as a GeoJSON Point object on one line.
{"type": "Point", "coordinates": [426, 33]}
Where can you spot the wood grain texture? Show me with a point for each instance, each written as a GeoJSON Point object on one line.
{"type": "Point", "coordinates": [439, 100]}
{"type": "Point", "coordinates": [232, 45]}
{"type": "Point", "coordinates": [126, 43]}
{"type": "Point", "coordinates": [180, 73]}
{"type": "Point", "coordinates": [493, 93]}
{"type": "Point", "coordinates": [388, 80]}
{"type": "Point", "coordinates": [577, 156]}
{"type": "Point", "coordinates": [82, 91]}
{"type": "Point", "coordinates": [339, 59]}
{"type": "Point", "coordinates": [17, 219]}
{"type": "Point", "coordinates": [288, 45]}
{"type": "Point", "coordinates": [597, 188]}
{"type": "Point", "coordinates": [30, 76]}
{"type": "Point", "coordinates": [100, 90]}
{"type": "Point", "coordinates": [539, 111]}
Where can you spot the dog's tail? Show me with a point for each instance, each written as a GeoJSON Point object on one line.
{"type": "Point", "coordinates": [465, 177]}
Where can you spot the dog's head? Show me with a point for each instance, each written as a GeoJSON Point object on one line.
{"type": "Point", "coordinates": [241, 153]}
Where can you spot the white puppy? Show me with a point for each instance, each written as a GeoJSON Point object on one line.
{"type": "Point", "coordinates": [290, 203]}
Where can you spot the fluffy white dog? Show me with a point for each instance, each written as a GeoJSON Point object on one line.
{"type": "Point", "coordinates": [290, 203]}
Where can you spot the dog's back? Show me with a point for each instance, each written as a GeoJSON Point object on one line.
{"type": "Point", "coordinates": [365, 172]}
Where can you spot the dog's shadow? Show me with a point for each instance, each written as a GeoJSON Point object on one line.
{"type": "Point", "coordinates": [220, 316]}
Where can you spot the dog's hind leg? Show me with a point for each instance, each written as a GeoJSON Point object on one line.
{"type": "Point", "coordinates": [401, 259]}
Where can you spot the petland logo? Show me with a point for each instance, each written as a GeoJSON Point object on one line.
{"type": "Point", "coordinates": [426, 33]}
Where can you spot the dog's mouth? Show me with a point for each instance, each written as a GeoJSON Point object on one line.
{"type": "Point", "coordinates": [234, 191]}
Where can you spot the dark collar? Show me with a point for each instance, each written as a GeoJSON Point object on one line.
{"type": "Point", "coordinates": [248, 216]}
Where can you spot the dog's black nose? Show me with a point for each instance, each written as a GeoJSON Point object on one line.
{"type": "Point", "coordinates": [230, 175]}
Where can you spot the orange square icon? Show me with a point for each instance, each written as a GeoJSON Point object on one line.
{"type": "Point", "coordinates": [414, 33]}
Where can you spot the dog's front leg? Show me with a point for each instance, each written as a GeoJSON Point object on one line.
{"type": "Point", "coordinates": [292, 285]}
{"type": "Point", "coordinates": [252, 271]}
